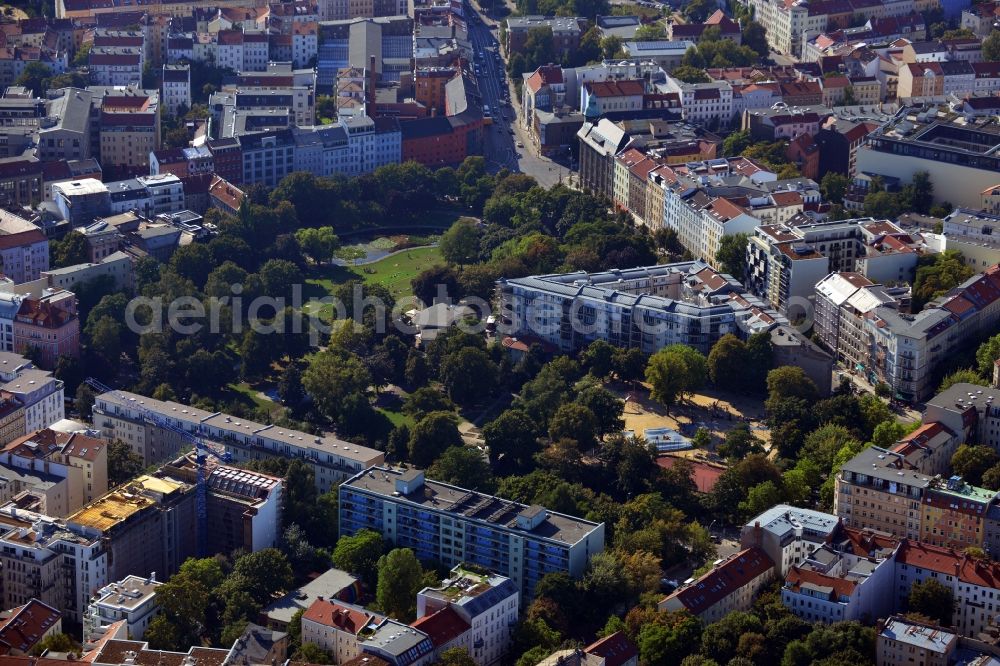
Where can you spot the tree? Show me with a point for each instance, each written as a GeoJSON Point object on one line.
{"type": "Point", "coordinates": [318, 243]}
{"type": "Point", "coordinates": [277, 276]}
{"type": "Point", "coordinates": [760, 498]}
{"type": "Point", "coordinates": [606, 408]}
{"type": "Point", "coordinates": [359, 554]}
{"type": "Point", "coordinates": [675, 370]}
{"type": "Point", "coordinates": [963, 376]}
{"type": "Point", "coordinates": [512, 441]}
{"type": "Point", "coordinates": [425, 400]}
{"type": "Point", "coordinates": [290, 389]}
{"type": "Point", "coordinates": [736, 143]}
{"type": "Point", "coordinates": [932, 599]}
{"type": "Point", "coordinates": [574, 422]}
{"type": "Point", "coordinates": [469, 375]}
{"type": "Point", "coordinates": [972, 461]}
{"type": "Point", "coordinates": [987, 355]}
{"type": "Point", "coordinates": [262, 573]}
{"type": "Point", "coordinates": [732, 254]}
{"type": "Point", "coordinates": [991, 47]}
{"type": "Point", "coordinates": [460, 244]}
{"type": "Point", "coordinates": [85, 398]}
{"type": "Point", "coordinates": [698, 10]}
{"type": "Point", "coordinates": [937, 274]}
{"type": "Point", "coordinates": [630, 364]}
{"type": "Point", "coordinates": [834, 186]}
{"type": "Point", "coordinates": [331, 377]}
{"type": "Point", "coordinates": [463, 466]}
{"type": "Point", "coordinates": [124, 464]}
{"type": "Point", "coordinates": [740, 442]}
{"type": "Point", "coordinates": [400, 577]}
{"type": "Point", "coordinates": [650, 32]}
{"type": "Point", "coordinates": [310, 653]}
{"type": "Point", "coordinates": [57, 643]}
{"type": "Point", "coordinates": [790, 382]}
{"type": "Point", "coordinates": [755, 36]}
{"type": "Point", "coordinates": [432, 436]}
{"type": "Point", "coordinates": [456, 656]}
{"type": "Point", "coordinates": [727, 362]}
{"type": "Point", "coordinates": [599, 356]}
{"type": "Point", "coordinates": [690, 74]}
{"type": "Point", "coordinates": [33, 77]}
{"type": "Point", "coordinates": [71, 250]}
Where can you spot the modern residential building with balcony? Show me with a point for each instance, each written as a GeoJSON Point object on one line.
{"type": "Point", "coordinates": [451, 525]}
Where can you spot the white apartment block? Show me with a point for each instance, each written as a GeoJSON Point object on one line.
{"type": "Point", "coordinates": [788, 534]}
{"type": "Point", "coordinates": [786, 261]}
{"type": "Point", "coordinates": [842, 302]}
{"type": "Point", "coordinates": [42, 396]}
{"type": "Point", "coordinates": [647, 308]}
{"type": "Point", "coordinates": [709, 104]}
{"type": "Point", "coordinates": [176, 87]}
{"type": "Point", "coordinates": [480, 609]}
{"type": "Point", "coordinates": [132, 599]}
{"type": "Point", "coordinates": [905, 350]}
{"type": "Point", "coordinates": [125, 416]}
{"type": "Point", "coordinates": [337, 627]}
{"type": "Point", "coordinates": [42, 559]}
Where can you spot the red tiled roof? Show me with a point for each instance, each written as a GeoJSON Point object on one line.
{"type": "Point", "coordinates": [331, 614]}
{"type": "Point", "coordinates": [442, 626]}
{"type": "Point", "coordinates": [26, 626]}
{"type": "Point", "coordinates": [723, 580]}
{"type": "Point", "coordinates": [951, 562]}
{"type": "Point", "coordinates": [615, 88]}
{"type": "Point", "coordinates": [864, 542]}
{"type": "Point", "coordinates": [21, 238]}
{"type": "Point", "coordinates": [616, 649]}
{"type": "Point", "coordinates": [840, 587]}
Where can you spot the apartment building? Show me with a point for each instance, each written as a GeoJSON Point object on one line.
{"type": "Point", "coordinates": [600, 142]}
{"type": "Point", "coordinates": [968, 411]}
{"type": "Point", "coordinates": [647, 308]}
{"type": "Point", "coordinates": [789, 261]}
{"type": "Point", "coordinates": [72, 469]}
{"type": "Point", "coordinates": [115, 65]}
{"type": "Point", "coordinates": [902, 640]}
{"type": "Point", "coordinates": [243, 507]}
{"type": "Point", "coordinates": [953, 514]}
{"type": "Point", "coordinates": [730, 586]}
{"type": "Point", "coordinates": [176, 87]}
{"type": "Point", "coordinates": [840, 585]}
{"type": "Point", "coordinates": [971, 231]}
{"type": "Point", "coordinates": [21, 181]}
{"type": "Point", "coordinates": [129, 130]}
{"type": "Point", "coordinates": [24, 627]}
{"type": "Point", "coordinates": [451, 525]}
{"type": "Point", "coordinates": [43, 559]}
{"type": "Point", "coordinates": [337, 627]}
{"type": "Point", "coordinates": [974, 584]}
{"type": "Point", "coordinates": [566, 32]}
{"type": "Point", "coordinates": [841, 304]}
{"type": "Point", "coordinates": [960, 157]}
{"type": "Point", "coordinates": [182, 162]}
{"type": "Point", "coordinates": [906, 349]}
{"type": "Point", "coordinates": [708, 104]}
{"type": "Point", "coordinates": [132, 600]}
{"type": "Point", "coordinates": [127, 416]}
{"type": "Point", "coordinates": [472, 610]}
{"type": "Point", "coordinates": [24, 249]}
{"type": "Point", "coordinates": [49, 325]}
{"type": "Point", "coordinates": [147, 525]}
{"type": "Point", "coordinates": [788, 534]}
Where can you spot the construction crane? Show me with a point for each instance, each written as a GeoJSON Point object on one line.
{"type": "Point", "coordinates": [202, 450]}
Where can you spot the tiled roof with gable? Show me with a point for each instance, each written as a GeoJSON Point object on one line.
{"type": "Point", "coordinates": [346, 618]}
{"type": "Point", "coordinates": [837, 587]}
{"type": "Point", "coordinates": [723, 580]}
{"type": "Point", "coordinates": [443, 626]}
{"type": "Point", "coordinates": [616, 649]}
{"type": "Point", "coordinates": [26, 626]}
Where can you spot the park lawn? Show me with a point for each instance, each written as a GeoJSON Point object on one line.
{"type": "Point", "coordinates": [248, 395]}
{"type": "Point", "coordinates": [394, 273]}
{"type": "Point", "coordinates": [396, 418]}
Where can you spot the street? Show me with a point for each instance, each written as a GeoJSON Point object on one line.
{"type": "Point", "coordinates": [500, 139]}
